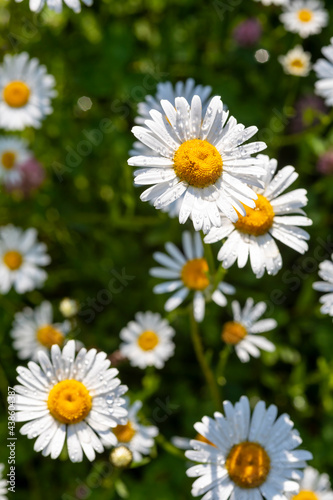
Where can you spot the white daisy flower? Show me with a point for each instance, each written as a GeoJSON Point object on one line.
{"type": "Point", "coordinates": [78, 398]}
{"type": "Point", "coordinates": [305, 17]}
{"type": "Point", "coordinates": [313, 486]}
{"type": "Point", "coordinates": [20, 259]}
{"type": "Point", "coordinates": [253, 235]}
{"type": "Point", "coordinates": [25, 92]}
{"type": "Point", "coordinates": [3, 484]}
{"type": "Point", "coordinates": [56, 5]}
{"type": "Point", "coordinates": [188, 272]}
{"type": "Point", "coordinates": [165, 90]}
{"type": "Point", "coordinates": [253, 458]}
{"type": "Point", "coordinates": [13, 152]}
{"type": "Point", "coordinates": [147, 340]}
{"type": "Point", "coordinates": [34, 330]}
{"type": "Point", "coordinates": [242, 331]}
{"type": "Point", "coordinates": [296, 62]}
{"type": "Point", "coordinates": [139, 439]}
{"type": "Point", "coordinates": [324, 71]}
{"type": "Point", "coordinates": [202, 160]}
{"type": "Point", "coordinates": [326, 273]}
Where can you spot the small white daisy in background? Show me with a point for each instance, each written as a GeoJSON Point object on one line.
{"type": "Point", "coordinates": [296, 62]}
{"type": "Point", "coordinates": [56, 5]}
{"type": "Point", "coordinates": [3, 484]}
{"type": "Point", "coordinates": [326, 273]}
{"type": "Point", "coordinates": [273, 2]}
{"type": "Point", "coordinates": [33, 330]}
{"type": "Point", "coordinates": [185, 443]}
{"type": "Point", "coordinates": [13, 153]}
{"type": "Point", "coordinates": [147, 341]}
{"type": "Point", "coordinates": [68, 307]}
{"type": "Point", "coordinates": [253, 457]}
{"type": "Point", "coordinates": [305, 17]}
{"type": "Point", "coordinates": [313, 486]}
{"type": "Point", "coordinates": [139, 439]}
{"type": "Point", "coordinates": [253, 236]}
{"type": "Point", "coordinates": [74, 399]}
{"type": "Point", "coordinates": [324, 71]}
{"type": "Point", "coordinates": [20, 259]}
{"type": "Point", "coordinates": [188, 272]}
{"type": "Point", "coordinates": [242, 331]}
{"type": "Point", "coordinates": [165, 90]}
{"type": "Point", "coordinates": [199, 158]}
{"type": "Point", "coordinates": [25, 92]}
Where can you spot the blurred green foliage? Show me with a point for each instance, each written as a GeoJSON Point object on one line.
{"type": "Point", "coordinates": [91, 218]}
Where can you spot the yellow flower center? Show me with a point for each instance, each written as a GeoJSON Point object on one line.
{"type": "Point", "coordinates": [198, 163]}
{"type": "Point", "coordinates": [194, 274]}
{"type": "Point", "coordinates": [124, 433]}
{"type": "Point", "coordinates": [297, 63]}
{"type": "Point", "coordinates": [16, 94]}
{"type": "Point", "coordinates": [258, 220]}
{"type": "Point", "coordinates": [305, 495]}
{"type": "Point", "coordinates": [248, 465]}
{"type": "Point", "coordinates": [13, 260]}
{"type": "Point", "coordinates": [69, 401]}
{"type": "Point", "coordinates": [202, 439]}
{"type": "Point", "coordinates": [8, 159]}
{"type": "Point", "coordinates": [233, 332]}
{"type": "Point", "coordinates": [305, 15]}
{"type": "Point", "coordinates": [148, 340]}
{"type": "Point", "coordinates": [47, 335]}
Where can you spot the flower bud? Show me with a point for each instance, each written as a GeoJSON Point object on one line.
{"type": "Point", "coordinates": [68, 307]}
{"type": "Point", "coordinates": [121, 457]}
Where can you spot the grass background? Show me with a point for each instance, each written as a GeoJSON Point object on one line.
{"type": "Point", "coordinates": [91, 218]}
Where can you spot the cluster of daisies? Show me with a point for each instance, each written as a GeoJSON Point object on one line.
{"type": "Point", "coordinates": [67, 393]}
{"type": "Point", "coordinates": [19, 169]}
{"type": "Point", "coordinates": [305, 18]}
{"type": "Point", "coordinates": [200, 168]}
{"type": "Point", "coordinates": [70, 395]}
{"type": "Point", "coordinates": [198, 164]}
{"type": "Point", "coordinates": [77, 399]}
{"type": "Point", "coordinates": [26, 91]}
{"type": "Point", "coordinates": [25, 99]}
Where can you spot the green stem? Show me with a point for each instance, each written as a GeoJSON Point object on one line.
{"type": "Point", "coordinates": [205, 368]}
{"type": "Point", "coordinates": [219, 276]}
{"type": "Point", "coordinates": [169, 447]}
{"type": "Point", "coordinates": [216, 274]}
{"type": "Point", "coordinates": [209, 256]}
{"type": "Point", "coordinates": [293, 91]}
{"type": "Point", "coordinates": [176, 313]}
